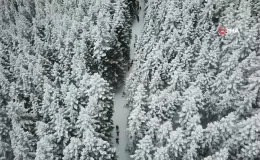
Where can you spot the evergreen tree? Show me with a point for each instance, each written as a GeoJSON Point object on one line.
{"type": "Point", "coordinates": [137, 118]}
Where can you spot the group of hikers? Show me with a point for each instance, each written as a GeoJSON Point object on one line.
{"type": "Point", "coordinates": [117, 133]}
{"type": "Point", "coordinates": [138, 16]}
{"type": "Point", "coordinates": [130, 65]}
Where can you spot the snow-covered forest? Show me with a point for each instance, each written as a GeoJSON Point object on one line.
{"type": "Point", "coordinates": [194, 94]}
{"type": "Point", "coordinates": [191, 93]}
{"type": "Point", "coordinates": [61, 61]}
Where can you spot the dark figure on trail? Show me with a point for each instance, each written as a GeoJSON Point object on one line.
{"type": "Point", "coordinates": [140, 7]}
{"type": "Point", "coordinates": [123, 96]}
{"type": "Point", "coordinates": [129, 66]}
{"type": "Point", "coordinates": [117, 133]}
{"type": "Point", "coordinates": [136, 38]}
{"type": "Point", "coordinates": [117, 140]}
{"type": "Point", "coordinates": [117, 128]}
{"type": "Point", "coordinates": [137, 3]}
{"type": "Point", "coordinates": [137, 18]}
{"type": "Point", "coordinates": [132, 62]}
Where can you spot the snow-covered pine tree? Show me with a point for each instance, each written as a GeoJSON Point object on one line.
{"type": "Point", "coordinates": [6, 77]}
{"type": "Point", "coordinates": [53, 130]}
{"type": "Point", "coordinates": [88, 144]}
{"type": "Point", "coordinates": [122, 30]}
{"type": "Point", "coordinates": [137, 118]}
{"type": "Point", "coordinates": [99, 90]}
{"type": "Point", "coordinates": [221, 155]}
{"type": "Point", "coordinates": [110, 40]}
{"type": "Point", "coordinates": [22, 134]}
{"type": "Point", "coordinates": [145, 149]}
{"type": "Point", "coordinates": [6, 151]}
{"type": "Point", "coordinates": [94, 124]}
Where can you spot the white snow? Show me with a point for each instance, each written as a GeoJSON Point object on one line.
{"type": "Point", "coordinates": [121, 113]}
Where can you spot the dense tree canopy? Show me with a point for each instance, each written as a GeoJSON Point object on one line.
{"type": "Point", "coordinates": [59, 63]}
{"type": "Point", "coordinates": [193, 93]}
{"type": "Point", "coordinates": [201, 88]}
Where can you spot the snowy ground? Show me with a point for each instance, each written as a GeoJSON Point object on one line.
{"type": "Point", "coordinates": [121, 113]}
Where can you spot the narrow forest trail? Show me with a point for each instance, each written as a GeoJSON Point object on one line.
{"type": "Point", "coordinates": [121, 113]}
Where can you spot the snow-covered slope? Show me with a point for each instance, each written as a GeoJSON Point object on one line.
{"type": "Point", "coordinates": [121, 113]}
